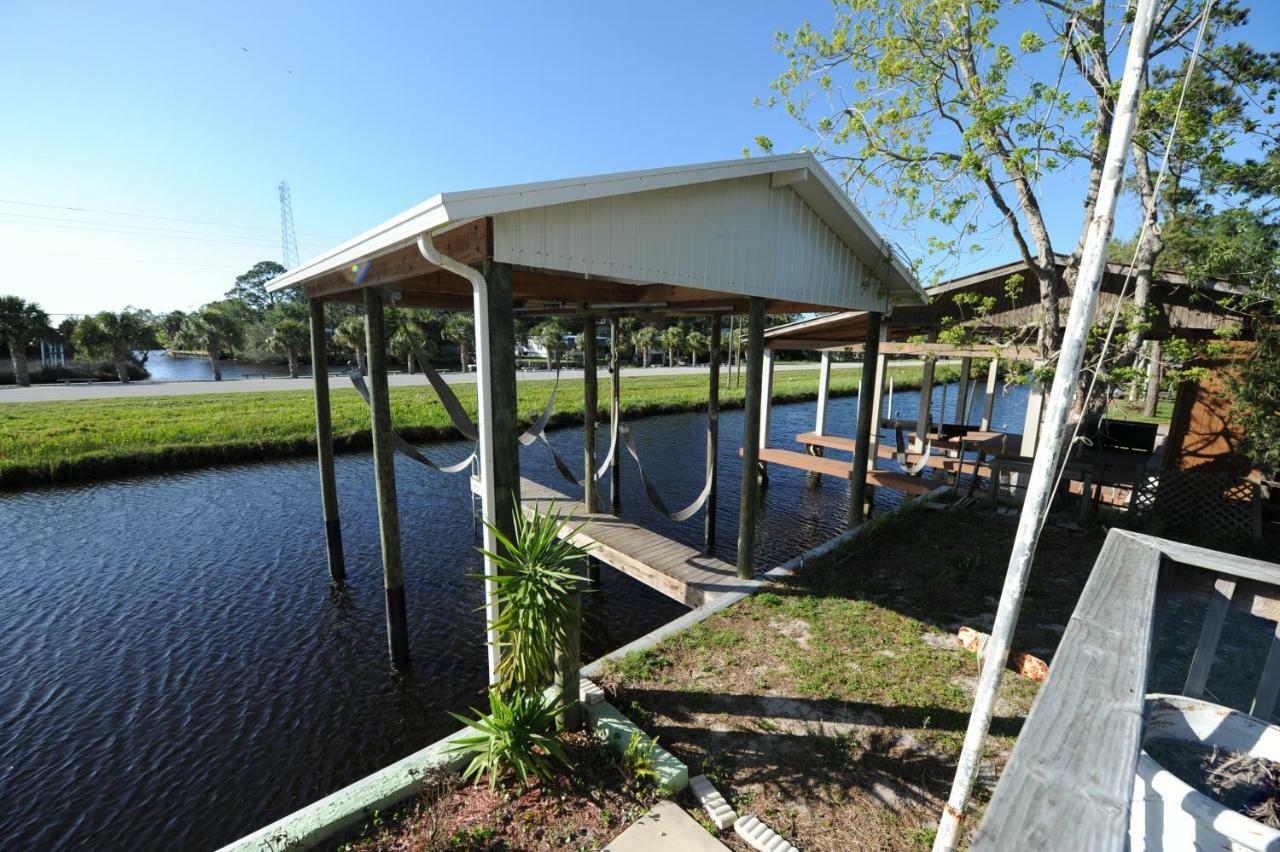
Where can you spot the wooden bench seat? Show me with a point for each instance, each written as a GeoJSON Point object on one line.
{"type": "Point", "coordinates": [844, 470]}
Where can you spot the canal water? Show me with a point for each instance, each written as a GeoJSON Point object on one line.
{"type": "Point", "coordinates": [164, 367]}
{"type": "Point", "coordinates": [175, 670]}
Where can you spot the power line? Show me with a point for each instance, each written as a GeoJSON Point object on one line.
{"type": "Point", "coordinates": [28, 218]}
{"type": "Point", "coordinates": [122, 259]}
{"type": "Point", "coordinates": [228, 239]}
{"type": "Point", "coordinates": [151, 216]}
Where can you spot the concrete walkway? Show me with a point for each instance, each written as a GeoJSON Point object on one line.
{"type": "Point", "coordinates": [337, 380]}
{"type": "Point", "coordinates": [666, 828]}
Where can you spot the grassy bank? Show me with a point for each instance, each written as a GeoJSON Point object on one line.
{"type": "Point", "coordinates": [833, 705]}
{"type": "Point", "coordinates": [43, 442]}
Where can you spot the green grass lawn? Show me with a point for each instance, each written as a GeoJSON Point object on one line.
{"type": "Point", "coordinates": [1125, 410]}
{"type": "Point", "coordinates": [834, 705]}
{"type": "Point", "coordinates": [89, 439]}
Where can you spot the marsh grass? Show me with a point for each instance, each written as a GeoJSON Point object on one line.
{"type": "Point", "coordinates": [42, 442]}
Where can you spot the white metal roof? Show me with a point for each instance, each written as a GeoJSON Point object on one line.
{"type": "Point", "coordinates": [826, 205]}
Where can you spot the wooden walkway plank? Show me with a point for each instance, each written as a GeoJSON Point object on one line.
{"type": "Point", "coordinates": [677, 570]}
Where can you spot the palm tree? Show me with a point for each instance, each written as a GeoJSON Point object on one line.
{"type": "Point", "coordinates": [551, 335]}
{"type": "Point", "coordinates": [460, 328]}
{"type": "Point", "coordinates": [350, 335]}
{"type": "Point", "coordinates": [20, 323]}
{"type": "Point", "coordinates": [411, 336]}
{"type": "Point", "coordinates": [289, 338]}
{"type": "Point", "coordinates": [673, 339]}
{"type": "Point", "coordinates": [644, 339]}
{"type": "Point", "coordinates": [114, 337]}
{"type": "Point", "coordinates": [696, 343]}
{"type": "Point", "coordinates": [213, 330]}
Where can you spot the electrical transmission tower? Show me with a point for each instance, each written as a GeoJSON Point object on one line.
{"type": "Point", "coordinates": [288, 239]}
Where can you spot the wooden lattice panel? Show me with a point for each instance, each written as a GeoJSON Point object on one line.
{"type": "Point", "coordinates": [1211, 502]}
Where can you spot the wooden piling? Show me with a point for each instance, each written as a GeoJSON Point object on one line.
{"type": "Point", "coordinates": [385, 478]}
{"type": "Point", "coordinates": [615, 415]}
{"type": "Point", "coordinates": [324, 444]}
{"type": "Point", "coordinates": [502, 388]}
{"type": "Point", "coordinates": [589, 403]}
{"type": "Point", "coordinates": [868, 419]}
{"type": "Point", "coordinates": [926, 402]}
{"type": "Point", "coordinates": [748, 506]}
{"type": "Point", "coordinates": [569, 660]}
{"type": "Point", "coordinates": [713, 434]}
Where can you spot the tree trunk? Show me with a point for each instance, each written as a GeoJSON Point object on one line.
{"type": "Point", "coordinates": [213, 362]}
{"type": "Point", "coordinates": [1153, 381]}
{"type": "Point", "coordinates": [361, 364]}
{"type": "Point", "coordinates": [462, 356]}
{"type": "Point", "coordinates": [408, 361]}
{"type": "Point", "coordinates": [122, 368]}
{"type": "Point", "coordinates": [18, 354]}
{"type": "Point", "coordinates": [293, 364]}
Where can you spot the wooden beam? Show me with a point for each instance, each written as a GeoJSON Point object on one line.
{"type": "Point", "coordinates": [385, 478]}
{"type": "Point", "coordinates": [324, 444]}
{"type": "Point", "coordinates": [713, 434]}
{"type": "Point", "coordinates": [868, 419]}
{"type": "Point", "coordinates": [1011, 353]}
{"type": "Point", "coordinates": [748, 505]}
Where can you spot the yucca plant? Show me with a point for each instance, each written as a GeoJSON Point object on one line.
{"type": "Point", "coordinates": [535, 591]}
{"type": "Point", "coordinates": [517, 734]}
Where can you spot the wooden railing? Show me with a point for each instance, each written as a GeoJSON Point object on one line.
{"type": "Point", "coordinates": [1069, 782]}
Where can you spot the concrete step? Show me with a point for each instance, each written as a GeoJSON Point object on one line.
{"type": "Point", "coordinates": [668, 828]}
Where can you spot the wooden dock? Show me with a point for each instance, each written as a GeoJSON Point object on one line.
{"type": "Point", "coordinates": [679, 571]}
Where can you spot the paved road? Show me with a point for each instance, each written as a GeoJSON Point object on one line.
{"type": "Point", "coordinates": [114, 390]}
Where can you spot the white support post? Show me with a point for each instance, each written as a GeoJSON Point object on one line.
{"type": "Point", "coordinates": [988, 404]}
{"type": "Point", "coordinates": [1035, 414]}
{"type": "Point", "coordinates": [1084, 303]}
{"type": "Point", "coordinates": [824, 389]}
{"type": "Point", "coordinates": [766, 398]}
{"type": "Point", "coordinates": [962, 398]}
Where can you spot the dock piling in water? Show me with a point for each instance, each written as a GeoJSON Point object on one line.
{"type": "Point", "coordinates": [713, 434]}
{"type": "Point", "coordinates": [748, 505]}
{"type": "Point", "coordinates": [590, 401]}
{"type": "Point", "coordinates": [868, 420]}
{"type": "Point", "coordinates": [385, 479]}
{"type": "Point", "coordinates": [324, 444]}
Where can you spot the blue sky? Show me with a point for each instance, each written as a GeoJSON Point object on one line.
{"type": "Point", "coordinates": [193, 115]}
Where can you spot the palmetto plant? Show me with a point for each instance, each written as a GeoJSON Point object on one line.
{"type": "Point", "coordinates": [516, 734]}
{"type": "Point", "coordinates": [535, 588]}
{"type": "Point", "coordinates": [213, 329]}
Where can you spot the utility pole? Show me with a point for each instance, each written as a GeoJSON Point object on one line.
{"type": "Point", "coordinates": [1084, 302]}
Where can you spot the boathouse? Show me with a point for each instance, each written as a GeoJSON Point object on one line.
{"type": "Point", "coordinates": [749, 236]}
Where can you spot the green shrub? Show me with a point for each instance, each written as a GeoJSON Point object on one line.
{"type": "Point", "coordinates": [517, 735]}
{"type": "Point", "coordinates": [638, 766]}
{"type": "Point", "coordinates": [536, 588]}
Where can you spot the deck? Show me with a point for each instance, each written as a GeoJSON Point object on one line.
{"type": "Point", "coordinates": [679, 571]}
{"type": "Point", "coordinates": [844, 470]}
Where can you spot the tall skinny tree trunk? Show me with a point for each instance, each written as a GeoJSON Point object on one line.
{"type": "Point", "coordinates": [122, 368]}
{"type": "Point", "coordinates": [213, 362]}
{"type": "Point", "coordinates": [361, 364]}
{"type": "Point", "coordinates": [408, 361]}
{"type": "Point", "coordinates": [1153, 381]}
{"type": "Point", "coordinates": [18, 354]}
{"type": "Point", "coordinates": [462, 354]}
{"type": "Point", "coordinates": [293, 364]}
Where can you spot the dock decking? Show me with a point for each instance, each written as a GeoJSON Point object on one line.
{"type": "Point", "coordinates": [679, 571]}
